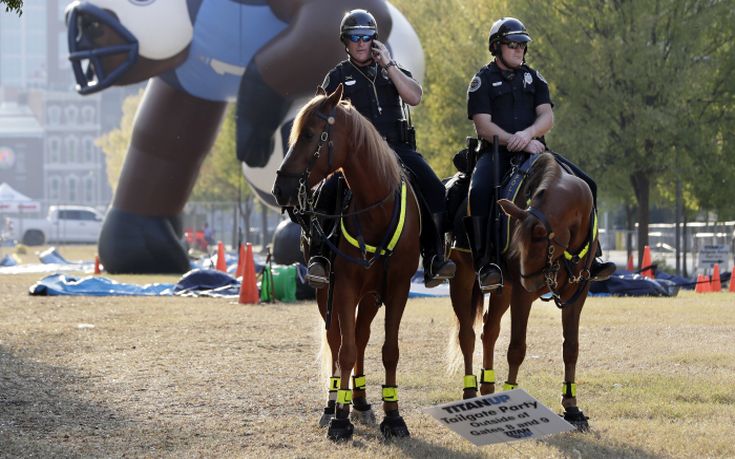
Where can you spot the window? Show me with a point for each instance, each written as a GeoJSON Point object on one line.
{"type": "Point", "coordinates": [54, 150]}
{"type": "Point", "coordinates": [71, 145]}
{"type": "Point", "coordinates": [88, 114]}
{"type": "Point", "coordinates": [88, 148]}
{"type": "Point", "coordinates": [71, 115]}
{"type": "Point", "coordinates": [54, 115]}
{"type": "Point", "coordinates": [89, 192]}
{"type": "Point", "coordinates": [72, 192]}
{"type": "Point", "coordinates": [54, 188]}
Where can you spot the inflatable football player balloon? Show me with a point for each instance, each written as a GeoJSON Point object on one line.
{"type": "Point", "coordinates": [269, 55]}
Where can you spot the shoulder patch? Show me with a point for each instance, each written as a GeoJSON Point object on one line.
{"type": "Point", "coordinates": [541, 77]}
{"type": "Point", "coordinates": [475, 84]}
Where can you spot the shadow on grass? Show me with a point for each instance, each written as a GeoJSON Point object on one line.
{"type": "Point", "coordinates": [43, 414]}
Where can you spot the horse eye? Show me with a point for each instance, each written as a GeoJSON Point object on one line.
{"type": "Point", "coordinates": [308, 135]}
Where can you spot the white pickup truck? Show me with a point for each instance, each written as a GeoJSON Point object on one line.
{"type": "Point", "coordinates": [62, 224]}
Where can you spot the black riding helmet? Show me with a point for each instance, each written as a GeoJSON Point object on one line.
{"type": "Point", "coordinates": [506, 29]}
{"type": "Point", "coordinates": [357, 22]}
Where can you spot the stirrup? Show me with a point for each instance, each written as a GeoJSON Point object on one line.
{"type": "Point", "coordinates": [446, 271]}
{"type": "Point", "coordinates": [601, 270]}
{"type": "Point", "coordinates": [317, 274]}
{"type": "Point", "coordinates": [489, 278]}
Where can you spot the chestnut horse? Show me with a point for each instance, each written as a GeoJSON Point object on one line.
{"type": "Point", "coordinates": [330, 135]}
{"type": "Point", "coordinates": [553, 226]}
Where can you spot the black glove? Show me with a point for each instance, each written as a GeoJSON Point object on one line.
{"type": "Point", "coordinates": [260, 110]}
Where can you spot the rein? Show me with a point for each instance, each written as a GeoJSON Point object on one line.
{"type": "Point", "coordinates": [569, 260]}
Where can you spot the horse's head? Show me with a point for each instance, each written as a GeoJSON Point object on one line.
{"type": "Point", "coordinates": [556, 225]}
{"type": "Point", "coordinates": [123, 42]}
{"type": "Point", "coordinates": [315, 148]}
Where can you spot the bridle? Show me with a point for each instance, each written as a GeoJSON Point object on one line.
{"type": "Point", "coordinates": [570, 261]}
{"type": "Point", "coordinates": [306, 201]}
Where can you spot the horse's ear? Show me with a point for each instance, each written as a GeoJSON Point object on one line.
{"type": "Point", "coordinates": [336, 96]}
{"type": "Point", "coordinates": [512, 210]}
{"type": "Point", "coordinates": [320, 91]}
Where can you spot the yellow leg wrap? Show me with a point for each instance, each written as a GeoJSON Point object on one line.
{"type": "Point", "coordinates": [470, 382]}
{"type": "Point", "coordinates": [358, 382]}
{"type": "Point", "coordinates": [509, 386]}
{"type": "Point", "coordinates": [568, 389]}
{"type": "Point", "coordinates": [344, 396]}
{"type": "Point", "coordinates": [334, 383]}
{"type": "Point", "coordinates": [390, 393]}
{"type": "Point", "coordinates": [487, 376]}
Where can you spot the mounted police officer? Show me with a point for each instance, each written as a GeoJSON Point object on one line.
{"type": "Point", "coordinates": [379, 88]}
{"type": "Point", "coordinates": [508, 99]}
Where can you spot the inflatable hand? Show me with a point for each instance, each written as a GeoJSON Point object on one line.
{"type": "Point", "coordinates": [131, 243]}
{"type": "Point", "coordinates": [260, 111]}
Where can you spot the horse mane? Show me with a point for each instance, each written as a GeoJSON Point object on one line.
{"type": "Point", "coordinates": [544, 173]}
{"type": "Point", "coordinates": [365, 138]}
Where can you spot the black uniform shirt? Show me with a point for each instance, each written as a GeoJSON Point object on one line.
{"type": "Point", "coordinates": [358, 87]}
{"type": "Point", "coordinates": [511, 103]}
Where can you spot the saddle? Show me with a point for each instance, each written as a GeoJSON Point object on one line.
{"type": "Point", "coordinates": [457, 188]}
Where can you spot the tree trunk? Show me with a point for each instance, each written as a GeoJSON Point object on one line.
{"type": "Point", "coordinates": [630, 225]}
{"type": "Point", "coordinates": [641, 187]}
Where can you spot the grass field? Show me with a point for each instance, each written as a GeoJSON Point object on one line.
{"type": "Point", "coordinates": [186, 377]}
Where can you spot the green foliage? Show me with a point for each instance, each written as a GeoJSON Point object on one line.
{"type": "Point", "coordinates": [454, 36]}
{"type": "Point", "coordinates": [13, 5]}
{"type": "Point", "coordinates": [115, 143]}
{"type": "Point", "coordinates": [221, 173]}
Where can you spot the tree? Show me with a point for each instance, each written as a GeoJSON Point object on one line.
{"type": "Point", "coordinates": [633, 82]}
{"type": "Point", "coordinates": [13, 5]}
{"type": "Point", "coordinates": [115, 143]}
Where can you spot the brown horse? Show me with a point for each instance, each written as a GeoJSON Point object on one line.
{"type": "Point", "coordinates": [330, 135]}
{"type": "Point", "coordinates": [557, 229]}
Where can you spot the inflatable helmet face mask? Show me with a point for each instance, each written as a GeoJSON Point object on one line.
{"type": "Point", "coordinates": [506, 29]}
{"type": "Point", "coordinates": [125, 41]}
{"type": "Point", "coordinates": [357, 22]}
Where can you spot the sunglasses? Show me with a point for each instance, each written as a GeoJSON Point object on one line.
{"type": "Point", "coordinates": [364, 38]}
{"type": "Point", "coordinates": [515, 44]}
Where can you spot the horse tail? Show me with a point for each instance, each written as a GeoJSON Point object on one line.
{"type": "Point", "coordinates": [325, 356]}
{"type": "Point", "coordinates": [474, 310]}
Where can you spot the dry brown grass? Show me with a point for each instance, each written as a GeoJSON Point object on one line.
{"type": "Point", "coordinates": [184, 377]}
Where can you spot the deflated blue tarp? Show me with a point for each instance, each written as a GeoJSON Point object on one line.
{"type": "Point", "coordinates": [61, 284]}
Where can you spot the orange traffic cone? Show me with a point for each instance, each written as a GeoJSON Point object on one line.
{"type": "Point", "coordinates": [221, 262]}
{"type": "Point", "coordinates": [240, 261]}
{"type": "Point", "coordinates": [249, 286]}
{"type": "Point", "coordinates": [716, 285]}
{"type": "Point", "coordinates": [706, 284]}
{"type": "Point", "coordinates": [647, 271]}
{"type": "Point", "coordinates": [699, 287]}
{"type": "Point", "coordinates": [97, 269]}
{"type": "Point", "coordinates": [732, 281]}
{"type": "Point", "coordinates": [631, 266]}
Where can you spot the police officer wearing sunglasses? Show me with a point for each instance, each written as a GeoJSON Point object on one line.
{"type": "Point", "coordinates": [509, 99]}
{"type": "Point", "coordinates": [378, 88]}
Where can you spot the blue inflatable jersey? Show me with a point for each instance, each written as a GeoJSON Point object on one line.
{"type": "Point", "coordinates": [214, 67]}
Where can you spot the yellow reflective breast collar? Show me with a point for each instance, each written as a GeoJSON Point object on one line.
{"type": "Point", "coordinates": [586, 247]}
{"type": "Point", "coordinates": [396, 233]}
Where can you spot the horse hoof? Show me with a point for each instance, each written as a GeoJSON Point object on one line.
{"type": "Point", "coordinates": [576, 417]}
{"type": "Point", "coordinates": [340, 430]}
{"type": "Point", "coordinates": [327, 416]}
{"type": "Point", "coordinates": [394, 427]}
{"type": "Point", "coordinates": [364, 417]}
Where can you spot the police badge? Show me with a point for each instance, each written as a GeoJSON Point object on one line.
{"type": "Point", "coordinates": [527, 79]}
{"type": "Point", "coordinates": [475, 84]}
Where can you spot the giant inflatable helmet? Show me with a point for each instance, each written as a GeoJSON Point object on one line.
{"type": "Point", "coordinates": [100, 56]}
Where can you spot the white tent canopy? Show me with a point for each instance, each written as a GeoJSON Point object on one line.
{"type": "Point", "coordinates": [12, 201]}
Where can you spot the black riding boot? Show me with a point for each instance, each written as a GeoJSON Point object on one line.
{"type": "Point", "coordinates": [601, 270]}
{"type": "Point", "coordinates": [489, 275]}
{"type": "Point", "coordinates": [319, 266]}
{"type": "Point", "coordinates": [437, 268]}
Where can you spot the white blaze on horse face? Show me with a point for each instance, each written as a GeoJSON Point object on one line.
{"type": "Point", "coordinates": [162, 27]}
